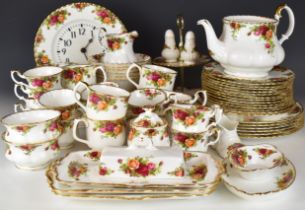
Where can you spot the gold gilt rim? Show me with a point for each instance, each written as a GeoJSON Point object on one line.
{"type": "Point", "coordinates": [203, 59]}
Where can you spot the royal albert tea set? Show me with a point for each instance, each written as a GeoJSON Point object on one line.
{"type": "Point", "coordinates": [148, 143]}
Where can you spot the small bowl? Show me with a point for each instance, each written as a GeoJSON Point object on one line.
{"type": "Point", "coordinates": [254, 162]}
{"type": "Point", "coordinates": [32, 156]}
{"type": "Point", "coordinates": [32, 126]}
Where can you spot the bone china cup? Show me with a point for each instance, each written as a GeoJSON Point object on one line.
{"type": "Point", "coordinates": [104, 102]}
{"type": "Point", "coordinates": [32, 156]}
{"type": "Point", "coordinates": [254, 162]}
{"type": "Point", "coordinates": [152, 76]}
{"type": "Point", "coordinates": [72, 74]}
{"type": "Point", "coordinates": [64, 101]}
{"type": "Point", "coordinates": [32, 126]}
{"type": "Point", "coordinates": [39, 79]}
{"type": "Point", "coordinates": [101, 133]}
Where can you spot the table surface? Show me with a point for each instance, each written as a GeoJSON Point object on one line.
{"type": "Point", "coordinates": [29, 190]}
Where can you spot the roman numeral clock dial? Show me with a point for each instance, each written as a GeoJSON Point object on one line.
{"type": "Point", "coordinates": [76, 43]}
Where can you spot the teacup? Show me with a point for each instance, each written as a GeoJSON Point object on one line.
{"type": "Point", "coordinates": [72, 74]}
{"type": "Point", "coordinates": [39, 80]}
{"type": "Point", "coordinates": [29, 103]}
{"type": "Point", "coordinates": [101, 133]}
{"type": "Point", "coordinates": [196, 142]}
{"type": "Point", "coordinates": [104, 102]}
{"type": "Point", "coordinates": [32, 156]}
{"type": "Point", "coordinates": [64, 101]}
{"type": "Point", "coordinates": [32, 126]}
{"type": "Point", "coordinates": [152, 76]}
{"type": "Point", "coordinates": [254, 162]}
{"type": "Point", "coordinates": [147, 97]}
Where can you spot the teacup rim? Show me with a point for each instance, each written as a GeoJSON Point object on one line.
{"type": "Point", "coordinates": [107, 86]}
{"type": "Point", "coordinates": [59, 107]}
{"type": "Point", "coordinates": [136, 90]}
{"type": "Point", "coordinates": [35, 68]}
{"type": "Point", "coordinates": [3, 135]}
{"type": "Point", "coordinates": [32, 123]}
{"type": "Point", "coordinates": [164, 69]}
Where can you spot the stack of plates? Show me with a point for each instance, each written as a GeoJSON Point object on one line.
{"type": "Point", "coordinates": [265, 107]}
{"type": "Point", "coordinates": [83, 180]}
{"type": "Point", "coordinates": [268, 95]}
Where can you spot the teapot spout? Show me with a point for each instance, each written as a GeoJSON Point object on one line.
{"type": "Point", "coordinates": [215, 46]}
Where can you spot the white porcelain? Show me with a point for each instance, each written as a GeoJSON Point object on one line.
{"type": "Point", "coordinates": [191, 118]}
{"type": "Point", "coordinates": [189, 55]}
{"type": "Point", "coordinates": [32, 126]}
{"type": "Point", "coordinates": [73, 73]}
{"type": "Point", "coordinates": [32, 156]}
{"type": "Point", "coordinates": [170, 52]}
{"type": "Point", "coordinates": [228, 134]}
{"type": "Point", "coordinates": [101, 134]}
{"type": "Point", "coordinates": [147, 97]}
{"type": "Point", "coordinates": [272, 188]}
{"type": "Point", "coordinates": [64, 101]}
{"type": "Point", "coordinates": [254, 162]}
{"type": "Point", "coordinates": [153, 76]}
{"type": "Point", "coordinates": [196, 142]}
{"type": "Point", "coordinates": [29, 103]}
{"type": "Point", "coordinates": [39, 80]}
{"type": "Point", "coordinates": [248, 46]}
{"type": "Point", "coordinates": [148, 130]}
{"type": "Point", "coordinates": [96, 173]}
{"type": "Point", "coordinates": [119, 47]}
{"type": "Point", "coordinates": [104, 102]}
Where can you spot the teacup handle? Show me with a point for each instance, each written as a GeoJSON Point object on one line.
{"type": "Point", "coordinates": [218, 112]}
{"type": "Point", "coordinates": [167, 109]}
{"type": "Point", "coordinates": [16, 92]}
{"type": "Point", "coordinates": [211, 130]}
{"type": "Point", "coordinates": [18, 107]}
{"type": "Point", "coordinates": [113, 84]}
{"type": "Point", "coordinates": [75, 125]}
{"type": "Point", "coordinates": [13, 72]}
{"type": "Point", "coordinates": [134, 65]}
{"type": "Point", "coordinates": [78, 99]}
{"type": "Point", "coordinates": [197, 96]}
{"type": "Point", "coordinates": [101, 69]}
{"type": "Point", "coordinates": [278, 15]}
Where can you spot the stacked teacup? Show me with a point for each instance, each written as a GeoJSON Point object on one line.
{"type": "Point", "coordinates": [105, 111]}
{"type": "Point", "coordinates": [191, 126]}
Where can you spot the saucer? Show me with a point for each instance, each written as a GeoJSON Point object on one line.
{"type": "Point", "coordinates": [284, 176]}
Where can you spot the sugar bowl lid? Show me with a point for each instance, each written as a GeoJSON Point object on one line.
{"type": "Point", "coordinates": [148, 119]}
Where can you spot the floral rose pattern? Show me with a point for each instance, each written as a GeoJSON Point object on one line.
{"type": "Point", "coordinates": [187, 140]}
{"type": "Point", "coordinates": [76, 169]}
{"type": "Point", "coordinates": [146, 123]}
{"type": "Point", "coordinates": [27, 148]}
{"type": "Point", "coordinates": [177, 172]}
{"type": "Point", "coordinates": [157, 79]}
{"type": "Point", "coordinates": [285, 180]}
{"type": "Point", "coordinates": [137, 110]}
{"type": "Point", "coordinates": [150, 93]}
{"type": "Point", "coordinates": [151, 133]}
{"type": "Point", "coordinates": [265, 33]}
{"type": "Point", "coordinates": [39, 38]}
{"type": "Point", "coordinates": [80, 5]}
{"type": "Point", "coordinates": [73, 76]}
{"type": "Point", "coordinates": [23, 129]}
{"type": "Point", "coordinates": [140, 167]}
{"type": "Point", "coordinates": [188, 155]}
{"type": "Point", "coordinates": [53, 146]}
{"type": "Point", "coordinates": [264, 153]}
{"type": "Point", "coordinates": [132, 134]}
{"type": "Point", "coordinates": [239, 157]}
{"type": "Point", "coordinates": [41, 85]}
{"type": "Point", "coordinates": [101, 102]}
{"type": "Point", "coordinates": [56, 18]}
{"type": "Point", "coordinates": [235, 27]}
{"type": "Point", "coordinates": [53, 126]}
{"type": "Point", "coordinates": [188, 118]}
{"type": "Point", "coordinates": [105, 16]}
{"type": "Point", "coordinates": [93, 155]}
{"type": "Point", "coordinates": [109, 128]}
{"type": "Point", "coordinates": [198, 172]}
{"type": "Point", "coordinates": [42, 59]}
{"type": "Point", "coordinates": [103, 171]}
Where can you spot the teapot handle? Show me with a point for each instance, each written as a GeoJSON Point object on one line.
{"type": "Point", "coordinates": [134, 65]}
{"type": "Point", "coordinates": [278, 15]}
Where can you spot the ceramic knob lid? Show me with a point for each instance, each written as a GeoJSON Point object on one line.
{"type": "Point", "coordinates": [148, 119]}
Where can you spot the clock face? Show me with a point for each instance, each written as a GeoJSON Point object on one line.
{"type": "Point", "coordinates": [77, 42]}
{"type": "Point", "coordinates": [74, 33]}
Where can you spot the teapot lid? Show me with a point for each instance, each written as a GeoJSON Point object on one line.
{"type": "Point", "coordinates": [148, 119]}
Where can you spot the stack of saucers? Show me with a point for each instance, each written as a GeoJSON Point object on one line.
{"type": "Point", "coordinates": [81, 175]}
{"type": "Point", "coordinates": [257, 172]}
{"type": "Point", "coordinates": [265, 107]}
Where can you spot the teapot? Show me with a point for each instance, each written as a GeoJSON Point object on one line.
{"type": "Point", "coordinates": [119, 47]}
{"type": "Point", "coordinates": [248, 46]}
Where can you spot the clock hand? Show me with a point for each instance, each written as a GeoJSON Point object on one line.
{"type": "Point", "coordinates": [84, 49]}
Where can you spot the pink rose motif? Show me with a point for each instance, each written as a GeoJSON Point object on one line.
{"type": "Point", "coordinates": [267, 45]}
{"type": "Point", "coordinates": [53, 126]}
{"type": "Point", "coordinates": [103, 129]}
{"type": "Point", "coordinates": [180, 137]}
{"type": "Point", "coordinates": [179, 114]}
{"type": "Point", "coordinates": [261, 30]}
{"type": "Point", "coordinates": [53, 20]}
{"type": "Point", "coordinates": [110, 126]}
{"type": "Point", "coordinates": [143, 170]}
{"type": "Point", "coordinates": [69, 74]}
{"type": "Point", "coordinates": [37, 82]}
{"type": "Point", "coordinates": [151, 166]}
{"type": "Point", "coordinates": [37, 95]}
{"type": "Point", "coordinates": [102, 14]}
{"type": "Point", "coordinates": [154, 76]}
{"type": "Point", "coordinates": [94, 98]}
